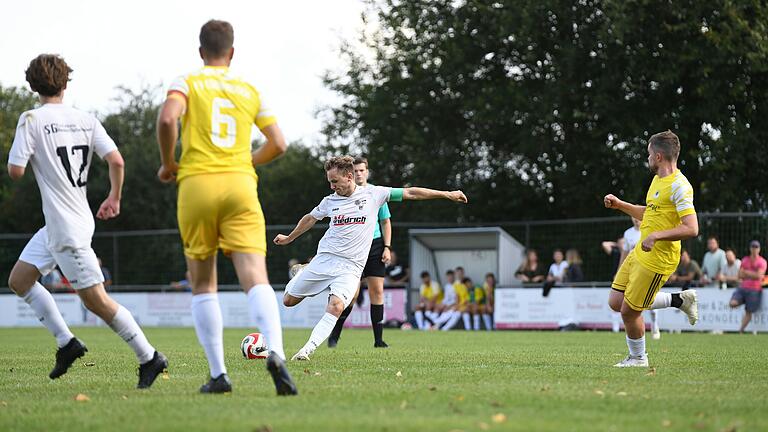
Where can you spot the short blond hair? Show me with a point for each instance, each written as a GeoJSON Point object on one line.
{"type": "Point", "coordinates": [344, 164]}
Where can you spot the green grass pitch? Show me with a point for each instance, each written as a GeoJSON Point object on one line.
{"type": "Point", "coordinates": [456, 381]}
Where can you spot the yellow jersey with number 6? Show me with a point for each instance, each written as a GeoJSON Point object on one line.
{"type": "Point", "coordinates": [216, 125]}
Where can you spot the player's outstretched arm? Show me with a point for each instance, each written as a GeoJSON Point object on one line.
{"type": "Point", "coordinates": [273, 148]}
{"type": "Point", "coordinates": [612, 202]}
{"type": "Point", "coordinates": [307, 222]}
{"type": "Point", "coordinates": [111, 206]}
{"type": "Point", "coordinates": [418, 193]}
{"type": "Point", "coordinates": [167, 135]}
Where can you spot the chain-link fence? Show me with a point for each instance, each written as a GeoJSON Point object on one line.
{"type": "Point", "coordinates": [156, 258]}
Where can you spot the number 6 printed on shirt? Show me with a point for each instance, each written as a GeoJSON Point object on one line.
{"type": "Point", "coordinates": [217, 119]}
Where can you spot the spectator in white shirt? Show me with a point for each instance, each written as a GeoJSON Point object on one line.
{"type": "Point", "coordinates": [557, 269]}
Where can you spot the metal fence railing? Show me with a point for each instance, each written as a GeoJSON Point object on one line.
{"type": "Point", "coordinates": [155, 257]}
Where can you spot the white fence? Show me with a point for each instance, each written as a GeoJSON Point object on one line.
{"type": "Point", "coordinates": [587, 308]}
{"type": "Point", "coordinates": [173, 310]}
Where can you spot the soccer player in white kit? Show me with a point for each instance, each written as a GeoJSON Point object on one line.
{"type": "Point", "coordinates": [343, 250]}
{"type": "Point", "coordinates": [58, 142]}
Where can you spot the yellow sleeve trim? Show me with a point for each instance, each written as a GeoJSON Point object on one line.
{"type": "Point", "coordinates": [263, 122]}
{"type": "Point", "coordinates": [175, 94]}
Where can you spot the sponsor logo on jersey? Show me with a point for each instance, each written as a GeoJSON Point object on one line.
{"type": "Point", "coordinates": [360, 203]}
{"type": "Point", "coordinates": [340, 220]}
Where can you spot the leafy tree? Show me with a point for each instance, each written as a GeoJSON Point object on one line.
{"type": "Point", "coordinates": [539, 108]}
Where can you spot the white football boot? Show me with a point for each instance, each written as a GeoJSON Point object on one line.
{"type": "Point", "coordinates": [631, 361]}
{"type": "Point", "coordinates": [690, 305]}
{"type": "Point", "coordinates": [303, 354]}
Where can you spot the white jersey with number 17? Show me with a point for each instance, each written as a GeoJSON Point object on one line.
{"type": "Point", "coordinates": [59, 142]}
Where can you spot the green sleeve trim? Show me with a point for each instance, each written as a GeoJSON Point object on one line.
{"type": "Point", "coordinates": [396, 194]}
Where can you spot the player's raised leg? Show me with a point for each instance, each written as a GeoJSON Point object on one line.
{"type": "Point", "coordinates": [23, 282]}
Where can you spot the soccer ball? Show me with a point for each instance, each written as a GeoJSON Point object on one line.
{"type": "Point", "coordinates": [254, 346]}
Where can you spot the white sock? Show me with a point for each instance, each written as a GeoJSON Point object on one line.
{"type": "Point", "coordinates": [41, 301]}
{"type": "Point", "coordinates": [443, 318]}
{"type": "Point", "coordinates": [476, 321]}
{"type": "Point", "coordinates": [467, 324]}
{"type": "Point", "coordinates": [615, 319]}
{"type": "Point", "coordinates": [321, 332]}
{"type": "Point", "coordinates": [636, 347]}
{"type": "Point", "coordinates": [206, 314]}
{"type": "Point", "coordinates": [654, 321]}
{"type": "Point", "coordinates": [455, 317]}
{"type": "Point", "coordinates": [126, 327]}
{"type": "Point", "coordinates": [487, 321]}
{"type": "Point", "coordinates": [432, 315]}
{"type": "Point", "coordinates": [262, 305]}
{"type": "Point", "coordinates": [662, 300]}
{"type": "Point", "coordinates": [419, 319]}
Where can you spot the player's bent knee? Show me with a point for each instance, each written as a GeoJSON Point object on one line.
{"type": "Point", "coordinates": [289, 300]}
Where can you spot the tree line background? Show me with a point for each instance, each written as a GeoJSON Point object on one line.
{"type": "Point", "coordinates": [536, 109]}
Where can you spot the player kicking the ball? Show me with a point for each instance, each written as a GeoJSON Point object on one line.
{"type": "Point", "coordinates": [59, 143]}
{"type": "Point", "coordinates": [667, 217]}
{"type": "Point", "coordinates": [218, 204]}
{"type": "Point", "coordinates": [344, 249]}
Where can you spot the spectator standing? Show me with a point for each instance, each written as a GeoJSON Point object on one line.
{"type": "Point", "coordinates": [730, 275]}
{"type": "Point", "coordinates": [530, 271]}
{"type": "Point", "coordinates": [614, 249]}
{"type": "Point", "coordinates": [750, 293]}
{"type": "Point", "coordinates": [556, 272]}
{"type": "Point", "coordinates": [573, 273]}
{"type": "Point", "coordinates": [631, 237]}
{"type": "Point", "coordinates": [688, 271]}
{"type": "Point", "coordinates": [557, 269]}
{"type": "Point", "coordinates": [713, 264]}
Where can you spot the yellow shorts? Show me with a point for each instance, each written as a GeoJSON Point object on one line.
{"type": "Point", "coordinates": [638, 284]}
{"type": "Point", "coordinates": [220, 210]}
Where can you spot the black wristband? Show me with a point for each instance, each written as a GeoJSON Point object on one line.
{"type": "Point", "coordinates": [388, 247]}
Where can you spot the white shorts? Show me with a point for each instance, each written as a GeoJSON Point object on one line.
{"type": "Point", "coordinates": [80, 266]}
{"type": "Point", "coordinates": [325, 270]}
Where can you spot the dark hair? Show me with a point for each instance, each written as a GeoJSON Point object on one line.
{"type": "Point", "coordinates": [666, 143]}
{"type": "Point", "coordinates": [491, 275]}
{"type": "Point", "coordinates": [361, 160]}
{"type": "Point", "coordinates": [424, 274]}
{"type": "Point", "coordinates": [450, 272]}
{"type": "Point", "coordinates": [48, 74]}
{"type": "Point", "coordinates": [216, 37]}
{"type": "Point", "coordinates": [466, 280]}
{"type": "Point", "coordinates": [342, 163]}
{"type": "Point", "coordinates": [713, 237]}
{"type": "Point", "coordinates": [460, 268]}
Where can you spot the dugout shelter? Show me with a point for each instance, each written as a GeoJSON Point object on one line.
{"type": "Point", "coordinates": [478, 250]}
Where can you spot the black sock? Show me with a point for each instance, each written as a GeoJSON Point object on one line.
{"type": "Point", "coordinates": [676, 300]}
{"type": "Point", "coordinates": [377, 316]}
{"type": "Point", "coordinates": [336, 333]}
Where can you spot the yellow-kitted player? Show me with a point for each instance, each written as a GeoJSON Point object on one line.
{"type": "Point", "coordinates": [668, 216]}
{"type": "Point", "coordinates": [218, 204]}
